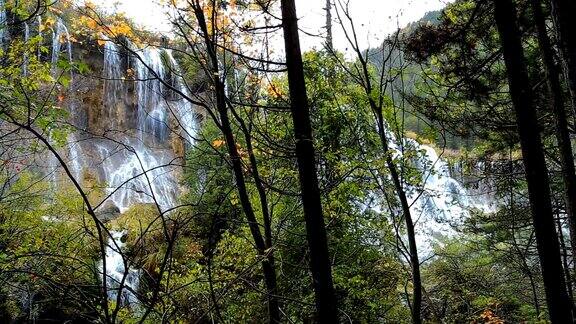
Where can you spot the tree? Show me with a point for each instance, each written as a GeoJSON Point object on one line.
{"type": "Point", "coordinates": [562, 11]}
{"type": "Point", "coordinates": [534, 162]}
{"type": "Point", "coordinates": [559, 110]}
{"type": "Point", "coordinates": [374, 83]}
{"type": "Point", "coordinates": [305, 153]}
{"type": "Point", "coordinates": [329, 40]}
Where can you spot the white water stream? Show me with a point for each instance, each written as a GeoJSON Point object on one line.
{"type": "Point", "coordinates": [122, 281]}
{"type": "Point", "coordinates": [441, 202]}
{"type": "Point", "coordinates": [3, 24]}
{"type": "Point", "coordinates": [60, 35]}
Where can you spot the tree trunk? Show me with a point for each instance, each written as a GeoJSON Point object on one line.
{"type": "Point", "coordinates": [413, 249]}
{"type": "Point", "coordinates": [315, 228]}
{"type": "Point", "coordinates": [559, 305]}
{"type": "Point", "coordinates": [563, 12]}
{"type": "Point", "coordinates": [266, 255]}
{"type": "Point", "coordinates": [329, 41]}
{"type": "Point", "coordinates": [376, 107]}
{"type": "Point", "coordinates": [562, 133]}
{"type": "Point", "coordinates": [564, 254]}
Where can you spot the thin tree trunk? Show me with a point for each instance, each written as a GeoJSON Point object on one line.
{"type": "Point", "coordinates": [562, 133]}
{"type": "Point", "coordinates": [329, 40]}
{"type": "Point", "coordinates": [365, 81]}
{"type": "Point", "coordinates": [563, 12]}
{"type": "Point", "coordinates": [376, 108]}
{"type": "Point", "coordinates": [521, 254]}
{"type": "Point", "coordinates": [268, 269]}
{"type": "Point", "coordinates": [414, 260]}
{"type": "Point", "coordinates": [559, 305]}
{"type": "Point", "coordinates": [272, 294]}
{"type": "Point", "coordinates": [267, 256]}
{"type": "Point", "coordinates": [564, 254]}
{"type": "Point", "coordinates": [315, 228]}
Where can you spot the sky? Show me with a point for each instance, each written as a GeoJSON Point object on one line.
{"type": "Point", "coordinates": [374, 19]}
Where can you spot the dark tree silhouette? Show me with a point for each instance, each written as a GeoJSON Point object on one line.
{"type": "Point", "coordinates": [534, 162]}
{"type": "Point", "coordinates": [315, 227]}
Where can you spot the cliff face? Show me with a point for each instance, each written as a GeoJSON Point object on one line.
{"type": "Point", "coordinates": [106, 99]}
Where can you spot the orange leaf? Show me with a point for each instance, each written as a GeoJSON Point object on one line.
{"type": "Point", "coordinates": [218, 143]}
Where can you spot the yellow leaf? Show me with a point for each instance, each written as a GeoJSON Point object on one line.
{"type": "Point", "coordinates": [218, 143]}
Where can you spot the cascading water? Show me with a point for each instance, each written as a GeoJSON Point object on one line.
{"type": "Point", "coordinates": [39, 29]}
{"type": "Point", "coordinates": [150, 69]}
{"type": "Point", "coordinates": [136, 174]}
{"type": "Point", "coordinates": [183, 108]}
{"type": "Point", "coordinates": [134, 157]}
{"type": "Point", "coordinates": [3, 24]}
{"type": "Point", "coordinates": [114, 85]}
{"type": "Point", "coordinates": [59, 35]}
{"type": "Point", "coordinates": [121, 280]}
{"type": "Point", "coordinates": [440, 201]}
{"type": "Point", "coordinates": [138, 170]}
{"type": "Point", "coordinates": [26, 38]}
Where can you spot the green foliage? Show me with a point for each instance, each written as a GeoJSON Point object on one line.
{"type": "Point", "coordinates": [49, 254]}
{"type": "Point", "coordinates": [489, 266]}
{"type": "Point", "coordinates": [202, 254]}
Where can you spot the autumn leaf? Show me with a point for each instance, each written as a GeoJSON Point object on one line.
{"type": "Point", "coordinates": [218, 143]}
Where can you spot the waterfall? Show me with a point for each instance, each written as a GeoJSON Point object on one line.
{"type": "Point", "coordinates": [39, 23]}
{"type": "Point", "coordinates": [132, 157]}
{"type": "Point", "coordinates": [26, 38]}
{"type": "Point", "coordinates": [151, 94]}
{"type": "Point", "coordinates": [135, 162]}
{"type": "Point", "coordinates": [184, 111]}
{"type": "Point", "coordinates": [440, 201]}
{"type": "Point", "coordinates": [139, 170]}
{"type": "Point", "coordinates": [60, 31]}
{"type": "Point", "coordinates": [3, 24]}
{"type": "Point", "coordinates": [137, 174]}
{"type": "Point", "coordinates": [113, 75]}
{"type": "Point", "coordinates": [74, 149]}
{"type": "Point", "coordinates": [135, 165]}
{"type": "Point", "coordinates": [74, 157]}
{"type": "Point", "coordinates": [116, 271]}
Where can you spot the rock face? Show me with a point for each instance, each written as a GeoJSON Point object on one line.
{"type": "Point", "coordinates": [112, 97]}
